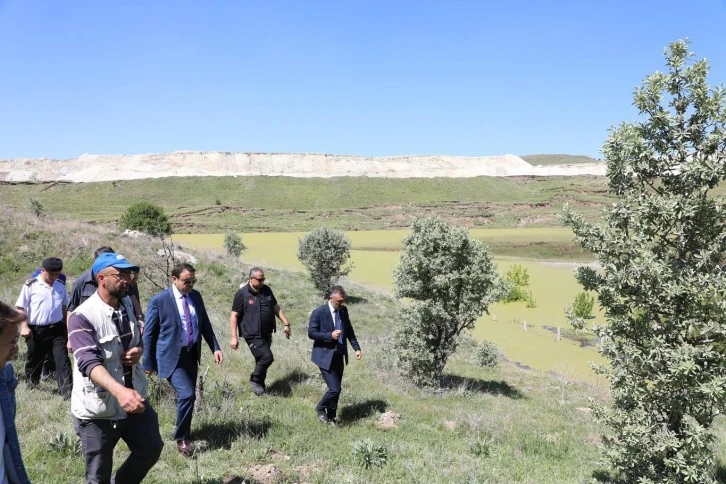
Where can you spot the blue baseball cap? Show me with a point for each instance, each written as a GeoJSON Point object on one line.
{"type": "Point", "coordinates": [110, 259]}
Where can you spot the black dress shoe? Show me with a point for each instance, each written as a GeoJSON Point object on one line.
{"type": "Point", "coordinates": [257, 389]}
{"type": "Point", "coordinates": [185, 447]}
{"type": "Point", "coordinates": [323, 417]}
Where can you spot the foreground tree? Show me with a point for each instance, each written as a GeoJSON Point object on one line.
{"type": "Point", "coordinates": [146, 217]}
{"type": "Point", "coordinates": [451, 280]}
{"type": "Point", "coordinates": [325, 253]}
{"type": "Point", "coordinates": [662, 283]}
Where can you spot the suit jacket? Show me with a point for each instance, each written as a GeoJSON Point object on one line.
{"type": "Point", "coordinates": [320, 330]}
{"type": "Point", "coordinates": [164, 332]}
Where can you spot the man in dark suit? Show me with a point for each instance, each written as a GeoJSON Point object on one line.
{"type": "Point", "coordinates": [329, 328]}
{"type": "Point", "coordinates": [176, 322]}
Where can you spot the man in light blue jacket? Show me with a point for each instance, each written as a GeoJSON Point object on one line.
{"type": "Point", "coordinates": [12, 470]}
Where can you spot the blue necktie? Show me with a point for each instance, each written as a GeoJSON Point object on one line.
{"type": "Point", "coordinates": [339, 325]}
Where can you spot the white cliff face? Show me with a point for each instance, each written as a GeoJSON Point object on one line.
{"type": "Point", "coordinates": [89, 168]}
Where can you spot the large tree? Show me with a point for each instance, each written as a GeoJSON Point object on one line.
{"type": "Point", "coordinates": [450, 280]}
{"type": "Point", "coordinates": [661, 280]}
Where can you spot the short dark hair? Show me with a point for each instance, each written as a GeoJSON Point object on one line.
{"type": "Point", "coordinates": [103, 250]}
{"type": "Point", "coordinates": [179, 268]}
{"type": "Point", "coordinates": [254, 271]}
{"type": "Point", "coordinates": [9, 315]}
{"type": "Point", "coordinates": [336, 290]}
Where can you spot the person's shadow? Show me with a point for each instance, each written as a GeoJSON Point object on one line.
{"type": "Point", "coordinates": [477, 385]}
{"type": "Point", "coordinates": [358, 411]}
{"type": "Point", "coordinates": [283, 386]}
{"type": "Point", "coordinates": [220, 435]}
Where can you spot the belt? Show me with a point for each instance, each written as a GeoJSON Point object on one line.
{"type": "Point", "coordinates": [49, 326]}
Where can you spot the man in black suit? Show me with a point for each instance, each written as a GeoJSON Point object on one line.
{"type": "Point", "coordinates": [329, 328]}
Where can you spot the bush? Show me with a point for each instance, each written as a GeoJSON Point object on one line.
{"type": "Point", "coordinates": [36, 207]}
{"type": "Point", "coordinates": [451, 280]}
{"type": "Point", "coordinates": [517, 281]}
{"type": "Point", "coordinates": [366, 453]}
{"type": "Point", "coordinates": [486, 354]}
{"type": "Point", "coordinates": [325, 253]}
{"type": "Point", "coordinates": [233, 243]}
{"type": "Point", "coordinates": [582, 308]}
{"type": "Point", "coordinates": [146, 217]}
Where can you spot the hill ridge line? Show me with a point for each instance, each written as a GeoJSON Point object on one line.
{"type": "Point", "coordinates": [90, 168]}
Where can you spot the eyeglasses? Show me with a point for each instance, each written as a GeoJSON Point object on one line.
{"type": "Point", "coordinates": [261, 279]}
{"type": "Point", "coordinates": [126, 276]}
{"type": "Point", "coordinates": [188, 282]}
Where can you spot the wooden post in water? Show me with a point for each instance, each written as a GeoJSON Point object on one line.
{"type": "Point", "coordinates": [524, 325]}
{"type": "Point", "coordinates": [559, 336]}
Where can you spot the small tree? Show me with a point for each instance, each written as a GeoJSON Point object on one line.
{"type": "Point", "coordinates": [662, 282]}
{"type": "Point", "coordinates": [146, 217]}
{"type": "Point", "coordinates": [582, 308]}
{"type": "Point", "coordinates": [325, 253]}
{"type": "Point", "coordinates": [233, 243]}
{"type": "Point", "coordinates": [36, 207]}
{"type": "Point", "coordinates": [451, 280]}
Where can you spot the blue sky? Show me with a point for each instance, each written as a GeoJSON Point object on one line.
{"type": "Point", "coordinates": [361, 77]}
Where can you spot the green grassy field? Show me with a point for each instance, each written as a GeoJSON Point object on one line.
{"type": "Point", "coordinates": [502, 425]}
{"type": "Point", "coordinates": [557, 159]}
{"type": "Point", "coordinates": [375, 253]}
{"type": "Point", "coordinates": [281, 204]}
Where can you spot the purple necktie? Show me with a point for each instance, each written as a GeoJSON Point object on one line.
{"type": "Point", "coordinates": [188, 319]}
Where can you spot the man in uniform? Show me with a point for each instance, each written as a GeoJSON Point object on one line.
{"type": "Point", "coordinates": [253, 314]}
{"type": "Point", "coordinates": [44, 301]}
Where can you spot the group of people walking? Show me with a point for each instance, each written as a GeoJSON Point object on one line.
{"type": "Point", "coordinates": [116, 347]}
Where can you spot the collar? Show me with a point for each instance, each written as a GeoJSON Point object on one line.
{"type": "Point", "coordinates": [175, 291]}
{"type": "Point", "coordinates": [331, 307]}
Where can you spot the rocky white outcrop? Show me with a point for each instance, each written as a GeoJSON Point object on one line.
{"type": "Point", "coordinates": [88, 168]}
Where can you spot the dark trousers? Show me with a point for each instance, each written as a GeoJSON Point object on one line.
{"type": "Point", "coordinates": [184, 381]}
{"type": "Point", "coordinates": [99, 437]}
{"type": "Point", "coordinates": [260, 349]}
{"type": "Point", "coordinates": [55, 339]}
{"type": "Point", "coordinates": [333, 378]}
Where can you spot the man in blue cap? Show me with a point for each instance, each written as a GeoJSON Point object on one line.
{"type": "Point", "coordinates": [109, 387]}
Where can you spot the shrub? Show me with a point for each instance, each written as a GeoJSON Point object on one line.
{"type": "Point", "coordinates": [517, 281]}
{"type": "Point", "coordinates": [325, 253]}
{"type": "Point", "coordinates": [451, 280]}
{"type": "Point", "coordinates": [66, 444]}
{"type": "Point", "coordinates": [486, 354]}
{"type": "Point", "coordinates": [367, 453]}
{"type": "Point", "coordinates": [582, 308]}
{"type": "Point", "coordinates": [146, 217]}
{"type": "Point", "coordinates": [233, 243]}
{"type": "Point", "coordinates": [36, 207]}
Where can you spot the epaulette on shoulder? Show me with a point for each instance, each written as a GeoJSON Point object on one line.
{"type": "Point", "coordinates": [62, 281]}
{"type": "Point", "coordinates": [30, 281]}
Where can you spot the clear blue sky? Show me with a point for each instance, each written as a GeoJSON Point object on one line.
{"type": "Point", "coordinates": [349, 77]}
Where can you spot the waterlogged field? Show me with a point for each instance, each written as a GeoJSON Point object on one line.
{"type": "Point", "coordinates": [375, 253]}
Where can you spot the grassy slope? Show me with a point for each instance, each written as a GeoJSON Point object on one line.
{"type": "Point", "coordinates": [531, 420]}
{"type": "Point", "coordinates": [557, 159]}
{"type": "Point", "coordinates": [281, 204]}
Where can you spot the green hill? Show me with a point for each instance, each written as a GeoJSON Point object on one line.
{"type": "Point", "coordinates": [557, 159]}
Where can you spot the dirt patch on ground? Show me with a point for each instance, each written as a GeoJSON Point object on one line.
{"type": "Point", "coordinates": [388, 420]}
{"type": "Point", "coordinates": [264, 473]}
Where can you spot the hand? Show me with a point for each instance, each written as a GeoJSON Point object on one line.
{"type": "Point", "coordinates": [130, 400]}
{"type": "Point", "coordinates": [68, 346]}
{"type": "Point", "coordinates": [358, 355]}
{"type": "Point", "coordinates": [336, 334]}
{"type": "Point", "coordinates": [218, 357]}
{"type": "Point", "coordinates": [25, 331]}
{"type": "Point", "coordinates": [287, 330]}
{"type": "Point", "coordinates": [149, 372]}
{"type": "Point", "coordinates": [132, 356]}
{"type": "Point", "coordinates": [234, 343]}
